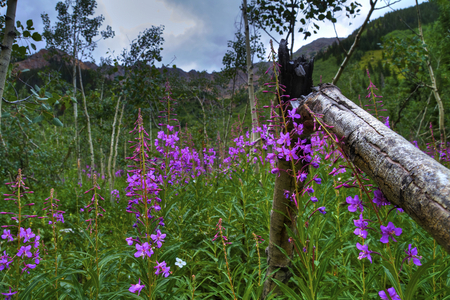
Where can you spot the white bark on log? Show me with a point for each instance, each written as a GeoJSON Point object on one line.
{"type": "Point", "coordinates": [407, 176]}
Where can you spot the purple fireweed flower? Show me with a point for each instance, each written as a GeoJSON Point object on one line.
{"type": "Point", "coordinates": [158, 238]}
{"type": "Point", "coordinates": [412, 254]}
{"type": "Point", "coordinates": [302, 176]}
{"type": "Point", "coordinates": [27, 234]}
{"type": "Point", "coordinates": [313, 199]}
{"type": "Point", "coordinates": [4, 263]}
{"type": "Point", "coordinates": [136, 287]}
{"type": "Point", "coordinates": [298, 128]}
{"type": "Point", "coordinates": [355, 204]}
{"type": "Point", "coordinates": [362, 225]}
{"type": "Point", "coordinates": [322, 210]}
{"type": "Point", "coordinates": [129, 241]}
{"type": "Point", "coordinates": [379, 198]}
{"type": "Point", "coordinates": [318, 180]}
{"type": "Point", "coordinates": [315, 165]}
{"type": "Point", "coordinates": [284, 139]}
{"type": "Point", "coordinates": [36, 241]}
{"type": "Point", "coordinates": [286, 194]}
{"type": "Point", "coordinates": [28, 266]}
{"type": "Point", "coordinates": [143, 250]}
{"type": "Point", "coordinates": [25, 250]}
{"type": "Point", "coordinates": [310, 190]}
{"type": "Point", "coordinates": [162, 268]}
{"type": "Point", "coordinates": [389, 231]}
{"type": "Point", "coordinates": [387, 122]}
{"type": "Point", "coordinates": [392, 294]}
{"type": "Point", "coordinates": [7, 235]}
{"type": "Point", "coordinates": [365, 252]}
{"type": "Point", "coordinates": [8, 295]}
{"type": "Point", "coordinates": [290, 153]}
{"type": "Point", "coordinates": [293, 114]}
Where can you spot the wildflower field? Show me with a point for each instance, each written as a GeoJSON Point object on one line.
{"type": "Point", "coordinates": [194, 224]}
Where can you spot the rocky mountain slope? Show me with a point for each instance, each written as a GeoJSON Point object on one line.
{"type": "Point", "coordinates": [41, 60]}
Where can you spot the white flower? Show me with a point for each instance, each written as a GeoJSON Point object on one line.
{"type": "Point", "coordinates": [180, 263]}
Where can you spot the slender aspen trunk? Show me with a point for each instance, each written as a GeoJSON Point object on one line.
{"type": "Point", "coordinates": [151, 131]}
{"type": "Point", "coordinates": [229, 115]}
{"type": "Point", "coordinates": [434, 87]}
{"type": "Point", "coordinates": [75, 112]}
{"type": "Point", "coordinates": [117, 145]}
{"type": "Point", "coordinates": [111, 152]}
{"type": "Point", "coordinates": [5, 54]}
{"type": "Point", "coordinates": [204, 119]}
{"type": "Point", "coordinates": [424, 113]}
{"type": "Point", "coordinates": [251, 92]}
{"type": "Point", "coordinates": [102, 162]}
{"type": "Point", "coordinates": [245, 115]}
{"type": "Point", "coordinates": [88, 124]}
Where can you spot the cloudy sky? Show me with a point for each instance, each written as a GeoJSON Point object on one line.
{"type": "Point", "coordinates": [196, 31]}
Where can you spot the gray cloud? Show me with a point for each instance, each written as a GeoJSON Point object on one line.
{"type": "Point", "coordinates": [196, 31]}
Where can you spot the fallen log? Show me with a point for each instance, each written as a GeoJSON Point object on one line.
{"type": "Point", "coordinates": [408, 177]}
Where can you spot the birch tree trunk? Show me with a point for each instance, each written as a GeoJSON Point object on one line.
{"type": "Point", "coordinates": [251, 92]}
{"type": "Point", "coordinates": [5, 54]}
{"type": "Point", "coordinates": [434, 87]}
{"type": "Point", "coordinates": [227, 128]}
{"type": "Point", "coordinates": [117, 145]}
{"type": "Point", "coordinates": [204, 118]}
{"type": "Point", "coordinates": [111, 153]}
{"type": "Point", "coordinates": [88, 124]}
{"type": "Point", "coordinates": [296, 76]}
{"type": "Point", "coordinates": [408, 177]}
{"type": "Point", "coordinates": [75, 114]}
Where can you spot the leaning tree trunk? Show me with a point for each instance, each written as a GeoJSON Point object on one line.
{"type": "Point", "coordinates": [5, 54]}
{"type": "Point", "coordinates": [408, 177]}
{"type": "Point", "coordinates": [296, 76]}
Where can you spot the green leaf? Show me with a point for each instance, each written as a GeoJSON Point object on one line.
{"type": "Point", "coordinates": [417, 279]}
{"type": "Point", "coordinates": [36, 37]}
{"type": "Point", "coordinates": [38, 119]}
{"type": "Point", "coordinates": [57, 122]}
{"type": "Point", "coordinates": [29, 23]}
{"type": "Point", "coordinates": [288, 291]}
{"type": "Point", "coordinates": [6, 115]}
{"type": "Point", "coordinates": [25, 70]}
{"type": "Point", "coordinates": [390, 272]}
